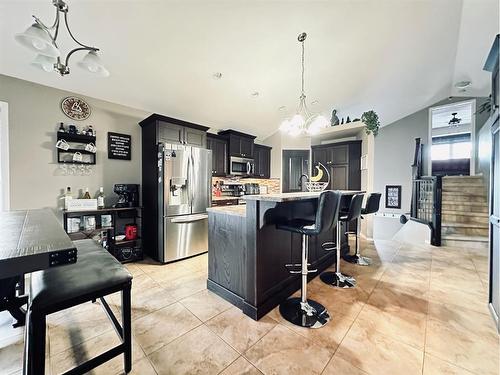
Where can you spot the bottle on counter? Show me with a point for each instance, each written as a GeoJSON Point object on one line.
{"type": "Point", "coordinates": [61, 128]}
{"type": "Point", "coordinates": [100, 198]}
{"type": "Point", "coordinates": [67, 197]}
{"type": "Point", "coordinates": [87, 194]}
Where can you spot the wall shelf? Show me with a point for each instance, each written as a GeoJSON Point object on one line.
{"type": "Point", "coordinates": [80, 140]}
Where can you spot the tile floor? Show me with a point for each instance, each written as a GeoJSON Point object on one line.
{"type": "Point", "coordinates": [416, 310]}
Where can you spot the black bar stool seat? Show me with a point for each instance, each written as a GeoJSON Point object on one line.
{"type": "Point", "coordinates": [96, 274]}
{"type": "Point", "coordinates": [337, 278]}
{"type": "Point", "coordinates": [302, 311]}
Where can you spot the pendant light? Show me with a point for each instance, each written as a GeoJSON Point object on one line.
{"type": "Point", "coordinates": [303, 122]}
{"type": "Point", "coordinates": [43, 40]}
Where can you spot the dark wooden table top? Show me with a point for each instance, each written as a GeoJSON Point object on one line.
{"type": "Point", "coordinates": [32, 240]}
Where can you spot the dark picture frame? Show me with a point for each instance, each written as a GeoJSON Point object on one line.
{"type": "Point", "coordinates": [392, 196]}
{"type": "Point", "coordinates": [119, 146]}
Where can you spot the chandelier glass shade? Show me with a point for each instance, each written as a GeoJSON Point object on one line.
{"type": "Point", "coordinates": [42, 39]}
{"type": "Point", "coordinates": [303, 122]}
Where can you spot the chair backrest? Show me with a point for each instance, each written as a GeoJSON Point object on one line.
{"type": "Point", "coordinates": [372, 203]}
{"type": "Point", "coordinates": [355, 207]}
{"type": "Point", "coordinates": [328, 210]}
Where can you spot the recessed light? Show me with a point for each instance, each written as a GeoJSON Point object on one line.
{"type": "Point", "coordinates": [217, 75]}
{"type": "Point", "coordinates": [255, 94]}
{"type": "Point", "coordinates": [463, 84]}
{"type": "Point", "coordinates": [282, 108]}
{"type": "Point", "coordinates": [314, 102]}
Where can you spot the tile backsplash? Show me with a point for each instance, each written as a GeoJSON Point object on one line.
{"type": "Point", "coordinates": [273, 184]}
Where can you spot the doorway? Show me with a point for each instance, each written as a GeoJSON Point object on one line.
{"type": "Point", "coordinates": [4, 157]}
{"type": "Point", "coordinates": [295, 164]}
{"type": "Point", "coordinates": [452, 139]}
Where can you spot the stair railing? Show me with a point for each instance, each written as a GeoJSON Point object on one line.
{"type": "Point", "coordinates": [426, 204]}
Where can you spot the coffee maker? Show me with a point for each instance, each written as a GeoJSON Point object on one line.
{"type": "Point", "coordinates": [128, 195]}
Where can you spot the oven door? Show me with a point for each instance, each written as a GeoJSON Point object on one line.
{"type": "Point", "coordinates": [241, 166]}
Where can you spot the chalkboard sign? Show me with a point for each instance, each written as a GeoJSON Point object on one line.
{"type": "Point", "coordinates": [119, 146]}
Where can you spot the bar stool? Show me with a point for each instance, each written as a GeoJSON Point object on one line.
{"type": "Point", "coordinates": [337, 278]}
{"type": "Point", "coordinates": [372, 206]}
{"type": "Point", "coordinates": [302, 311]}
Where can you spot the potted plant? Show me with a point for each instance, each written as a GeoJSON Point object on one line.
{"type": "Point", "coordinates": [371, 121]}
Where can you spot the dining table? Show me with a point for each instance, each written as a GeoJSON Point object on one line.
{"type": "Point", "coordinates": [31, 240]}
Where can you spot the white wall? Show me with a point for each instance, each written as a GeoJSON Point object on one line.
{"type": "Point", "coordinates": [4, 157]}
{"type": "Point", "coordinates": [34, 113]}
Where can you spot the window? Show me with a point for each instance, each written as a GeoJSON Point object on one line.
{"type": "Point", "coordinates": [451, 147]}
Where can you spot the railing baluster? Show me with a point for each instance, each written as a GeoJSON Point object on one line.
{"type": "Point", "coordinates": [426, 204]}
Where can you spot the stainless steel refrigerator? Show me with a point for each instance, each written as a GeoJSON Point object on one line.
{"type": "Point", "coordinates": [184, 188]}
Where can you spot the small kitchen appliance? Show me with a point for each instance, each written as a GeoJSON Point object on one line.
{"type": "Point", "coordinates": [128, 195]}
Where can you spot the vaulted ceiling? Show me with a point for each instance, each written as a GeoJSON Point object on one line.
{"type": "Point", "coordinates": [393, 56]}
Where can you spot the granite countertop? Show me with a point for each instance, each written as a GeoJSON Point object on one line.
{"type": "Point", "coordinates": [236, 210]}
{"type": "Point", "coordinates": [286, 197]}
{"type": "Point", "coordinates": [223, 198]}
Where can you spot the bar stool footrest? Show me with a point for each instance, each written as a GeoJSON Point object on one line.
{"type": "Point", "coordinates": [357, 259]}
{"type": "Point", "coordinates": [292, 311]}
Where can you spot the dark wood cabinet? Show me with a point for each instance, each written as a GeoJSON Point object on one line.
{"type": "Point", "coordinates": [343, 161]}
{"type": "Point", "coordinates": [218, 146]}
{"type": "Point", "coordinates": [240, 144]}
{"type": "Point", "coordinates": [262, 159]}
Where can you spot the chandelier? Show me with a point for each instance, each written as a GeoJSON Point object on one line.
{"type": "Point", "coordinates": [303, 122]}
{"type": "Point", "coordinates": [43, 40]}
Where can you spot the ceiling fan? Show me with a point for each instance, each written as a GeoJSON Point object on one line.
{"type": "Point", "coordinates": [454, 121]}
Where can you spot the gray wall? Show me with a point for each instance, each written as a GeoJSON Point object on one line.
{"type": "Point", "coordinates": [394, 151]}
{"type": "Point", "coordinates": [34, 113]}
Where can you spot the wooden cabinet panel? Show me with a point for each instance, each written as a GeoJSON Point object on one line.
{"type": "Point", "coordinates": [246, 147]}
{"type": "Point", "coordinates": [219, 155]}
{"type": "Point", "coordinates": [340, 177]}
{"type": "Point", "coordinates": [340, 154]}
{"type": "Point", "coordinates": [262, 159]}
{"type": "Point", "coordinates": [195, 137]}
{"type": "Point", "coordinates": [170, 133]}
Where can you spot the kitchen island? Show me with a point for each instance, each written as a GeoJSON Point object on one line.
{"type": "Point", "coordinates": [247, 254]}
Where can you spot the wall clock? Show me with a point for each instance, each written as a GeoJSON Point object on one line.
{"type": "Point", "coordinates": [75, 108]}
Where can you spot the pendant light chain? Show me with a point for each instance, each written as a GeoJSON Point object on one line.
{"type": "Point", "coordinates": [303, 68]}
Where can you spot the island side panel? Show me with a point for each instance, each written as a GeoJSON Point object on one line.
{"type": "Point", "coordinates": [227, 255]}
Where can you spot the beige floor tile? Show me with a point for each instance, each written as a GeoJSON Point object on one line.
{"type": "Point", "coordinates": [187, 285]}
{"type": "Point", "coordinates": [347, 302]}
{"type": "Point", "coordinates": [238, 330]}
{"type": "Point", "coordinates": [159, 328]}
{"type": "Point", "coordinates": [76, 325]}
{"type": "Point", "coordinates": [134, 269]}
{"type": "Point", "coordinates": [464, 319]}
{"type": "Point", "coordinates": [454, 278]}
{"type": "Point", "coordinates": [241, 367]}
{"type": "Point", "coordinates": [11, 354]}
{"type": "Point", "coordinates": [141, 367]}
{"type": "Point", "coordinates": [470, 299]}
{"type": "Point", "coordinates": [169, 272]}
{"type": "Point", "coordinates": [6, 329]}
{"type": "Point", "coordinates": [478, 354]}
{"type": "Point", "coordinates": [205, 304]}
{"type": "Point", "coordinates": [283, 351]}
{"type": "Point", "coordinates": [78, 354]}
{"type": "Point", "coordinates": [339, 366]}
{"type": "Point", "coordinates": [198, 352]}
{"type": "Point", "coordinates": [328, 336]}
{"type": "Point", "coordinates": [388, 298]}
{"type": "Point", "coordinates": [436, 366]}
{"type": "Point", "coordinates": [399, 324]}
{"type": "Point", "coordinates": [376, 353]}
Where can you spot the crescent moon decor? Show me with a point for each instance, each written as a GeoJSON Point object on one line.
{"type": "Point", "coordinates": [75, 108]}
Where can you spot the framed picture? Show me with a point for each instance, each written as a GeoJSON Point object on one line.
{"type": "Point", "coordinates": [392, 196]}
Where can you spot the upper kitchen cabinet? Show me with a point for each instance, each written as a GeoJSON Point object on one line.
{"type": "Point", "coordinates": [240, 144]}
{"type": "Point", "coordinates": [343, 161]}
{"type": "Point", "coordinates": [218, 145]}
{"type": "Point", "coordinates": [262, 159]}
{"type": "Point", "coordinates": [170, 130]}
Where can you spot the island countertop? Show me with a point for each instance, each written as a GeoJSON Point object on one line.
{"type": "Point", "coordinates": [286, 197]}
{"type": "Point", "coordinates": [236, 209]}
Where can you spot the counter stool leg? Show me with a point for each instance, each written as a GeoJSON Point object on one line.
{"type": "Point", "coordinates": [358, 258]}
{"type": "Point", "coordinates": [127, 334]}
{"type": "Point", "coordinates": [302, 311]}
{"type": "Point", "coordinates": [337, 278]}
{"type": "Point", "coordinates": [34, 360]}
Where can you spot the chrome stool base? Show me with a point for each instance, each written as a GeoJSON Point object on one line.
{"type": "Point", "coordinates": [338, 280]}
{"type": "Point", "coordinates": [310, 315]}
{"type": "Point", "coordinates": [357, 259]}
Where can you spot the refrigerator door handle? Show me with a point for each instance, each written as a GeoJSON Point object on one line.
{"type": "Point", "coordinates": [189, 219]}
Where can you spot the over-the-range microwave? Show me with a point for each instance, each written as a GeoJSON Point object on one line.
{"type": "Point", "coordinates": [241, 166]}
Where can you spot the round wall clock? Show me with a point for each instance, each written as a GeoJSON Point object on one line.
{"type": "Point", "coordinates": [75, 108]}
